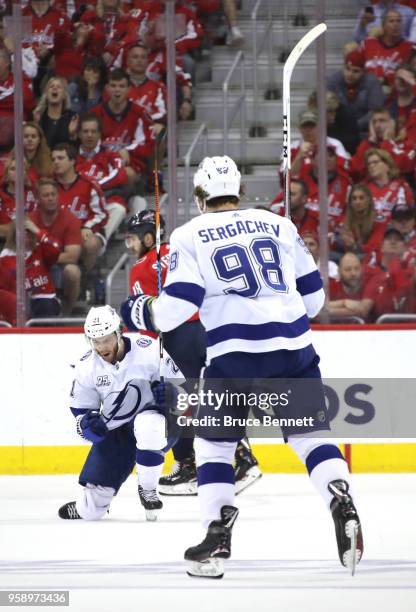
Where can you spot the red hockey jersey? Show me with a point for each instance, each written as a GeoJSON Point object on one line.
{"type": "Point", "coordinates": [7, 97]}
{"type": "Point", "coordinates": [104, 167]}
{"type": "Point", "coordinates": [131, 129]}
{"type": "Point", "coordinates": [152, 96]}
{"type": "Point", "coordinates": [382, 60]}
{"type": "Point", "coordinates": [38, 281]}
{"type": "Point", "coordinates": [45, 27]}
{"type": "Point", "coordinates": [397, 191]}
{"type": "Point", "coordinates": [85, 200]}
{"type": "Point", "coordinates": [8, 203]}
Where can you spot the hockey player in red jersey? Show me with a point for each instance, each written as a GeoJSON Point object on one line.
{"type": "Point", "coordinates": [104, 167]}
{"type": "Point", "coordinates": [84, 199]}
{"type": "Point", "coordinates": [187, 346]}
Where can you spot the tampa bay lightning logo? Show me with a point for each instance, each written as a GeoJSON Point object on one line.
{"type": "Point", "coordinates": [126, 402]}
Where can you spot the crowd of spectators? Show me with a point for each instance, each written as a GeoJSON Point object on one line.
{"type": "Point", "coordinates": [94, 98]}
{"type": "Point", "coordinates": [371, 160]}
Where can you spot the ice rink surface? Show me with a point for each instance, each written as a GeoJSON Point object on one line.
{"type": "Point", "coordinates": [284, 549]}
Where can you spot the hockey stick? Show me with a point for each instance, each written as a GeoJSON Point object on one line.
{"type": "Point", "coordinates": [158, 140]}
{"type": "Point", "coordinates": [290, 63]}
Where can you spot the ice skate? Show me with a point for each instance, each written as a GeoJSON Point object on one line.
{"type": "Point", "coordinates": [150, 502]}
{"type": "Point", "coordinates": [347, 525]}
{"type": "Point", "coordinates": [207, 557]}
{"type": "Point", "coordinates": [69, 511]}
{"type": "Point", "coordinates": [181, 480]}
{"type": "Point", "coordinates": [246, 469]}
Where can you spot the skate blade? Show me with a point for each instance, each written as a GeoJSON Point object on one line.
{"type": "Point", "coordinates": [188, 488]}
{"type": "Point", "coordinates": [211, 568]}
{"type": "Point", "coordinates": [151, 515]}
{"type": "Point", "coordinates": [352, 557]}
{"type": "Point", "coordinates": [250, 478]}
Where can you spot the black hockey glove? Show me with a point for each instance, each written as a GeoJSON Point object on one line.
{"type": "Point", "coordinates": [166, 396]}
{"type": "Point", "coordinates": [91, 426]}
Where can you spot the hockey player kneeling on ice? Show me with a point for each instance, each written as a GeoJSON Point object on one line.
{"type": "Point", "coordinates": [256, 285]}
{"type": "Point", "coordinates": [119, 405]}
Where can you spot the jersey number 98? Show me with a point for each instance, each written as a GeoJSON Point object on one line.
{"type": "Point", "coordinates": [253, 266]}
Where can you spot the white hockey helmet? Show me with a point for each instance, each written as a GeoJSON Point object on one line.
{"type": "Point", "coordinates": [101, 321]}
{"type": "Point", "coordinates": [217, 177]}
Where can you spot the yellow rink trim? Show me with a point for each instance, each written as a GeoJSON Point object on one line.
{"type": "Point", "coordinates": [272, 458]}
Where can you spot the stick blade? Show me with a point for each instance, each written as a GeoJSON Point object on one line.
{"type": "Point", "coordinates": [302, 45]}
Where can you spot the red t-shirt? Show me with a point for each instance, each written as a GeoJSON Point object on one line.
{"type": "Point", "coordinates": [65, 228]}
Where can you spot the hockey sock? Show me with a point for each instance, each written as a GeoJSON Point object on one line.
{"type": "Point", "coordinates": [149, 466]}
{"type": "Point", "coordinates": [183, 449]}
{"type": "Point", "coordinates": [94, 501]}
{"type": "Point", "coordinates": [324, 462]}
{"type": "Point", "coordinates": [215, 474]}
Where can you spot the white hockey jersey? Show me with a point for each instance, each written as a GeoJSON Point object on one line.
{"type": "Point", "coordinates": [121, 390]}
{"type": "Point", "coordinates": [250, 275]}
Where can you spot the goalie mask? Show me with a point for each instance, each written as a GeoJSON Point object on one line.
{"type": "Point", "coordinates": [216, 177]}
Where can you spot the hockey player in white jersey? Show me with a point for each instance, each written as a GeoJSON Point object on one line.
{"type": "Point", "coordinates": [256, 285]}
{"type": "Point", "coordinates": [119, 405]}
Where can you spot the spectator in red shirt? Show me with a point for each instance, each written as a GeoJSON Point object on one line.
{"type": "Point", "coordinates": [7, 100]}
{"type": "Point", "coordinates": [106, 168]}
{"type": "Point", "coordinates": [7, 295]}
{"type": "Point", "coordinates": [41, 253]}
{"type": "Point", "coordinates": [149, 93]}
{"type": "Point", "coordinates": [403, 219]}
{"type": "Point", "coordinates": [384, 182]}
{"type": "Point", "coordinates": [66, 229]}
{"type": "Point", "coordinates": [8, 190]}
{"type": "Point", "coordinates": [382, 135]}
{"type": "Point", "coordinates": [339, 185]}
{"type": "Point", "coordinates": [305, 219]}
{"type": "Point", "coordinates": [385, 53]}
{"type": "Point", "coordinates": [127, 129]}
{"type": "Point", "coordinates": [347, 295]}
{"type": "Point", "coordinates": [362, 231]}
{"type": "Point", "coordinates": [311, 240]}
{"type": "Point", "coordinates": [302, 150]}
{"type": "Point", "coordinates": [115, 28]}
{"type": "Point", "coordinates": [402, 99]}
{"type": "Point", "coordinates": [71, 49]}
{"type": "Point", "coordinates": [36, 151]}
{"type": "Point", "coordinates": [390, 280]}
{"type": "Point", "coordinates": [54, 115]}
{"type": "Point", "coordinates": [84, 199]}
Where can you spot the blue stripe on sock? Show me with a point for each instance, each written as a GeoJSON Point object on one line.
{"type": "Point", "coordinates": [210, 473]}
{"type": "Point", "coordinates": [149, 458]}
{"type": "Point", "coordinates": [322, 453]}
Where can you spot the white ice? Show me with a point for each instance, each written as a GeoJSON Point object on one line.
{"type": "Point", "coordinates": [284, 550]}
